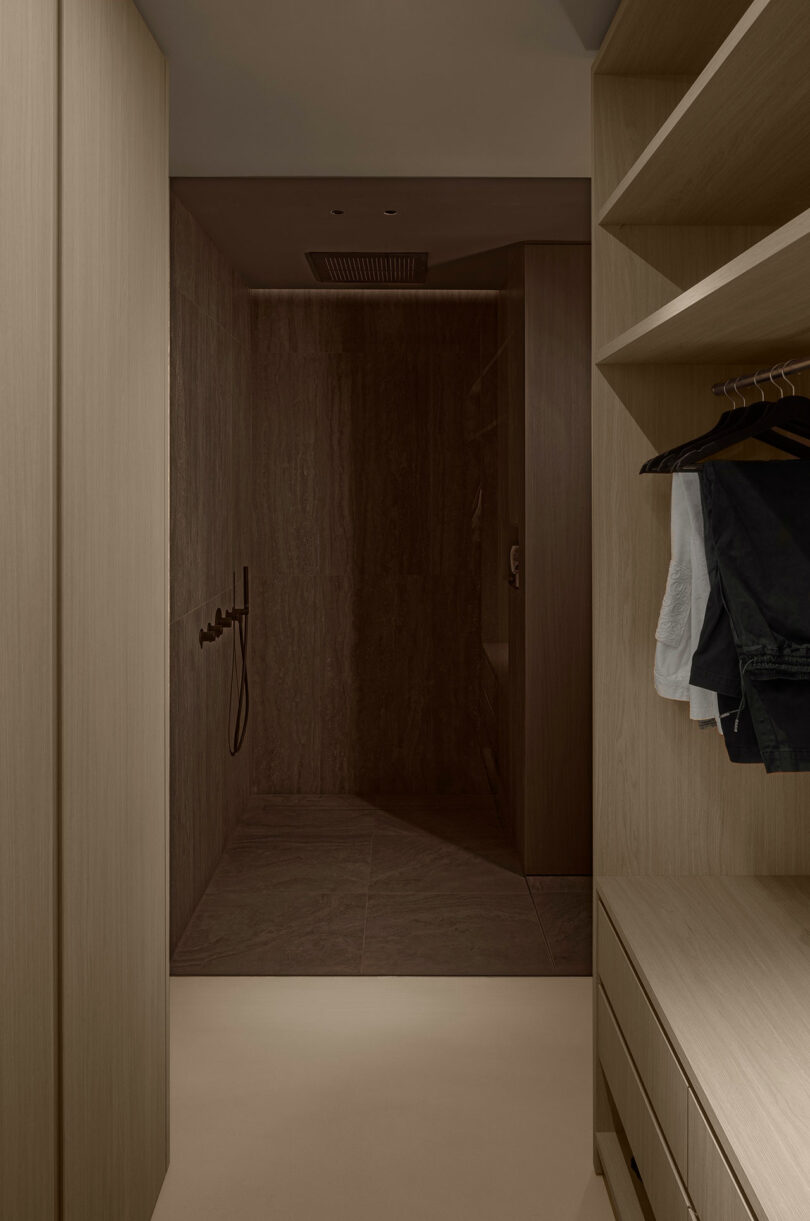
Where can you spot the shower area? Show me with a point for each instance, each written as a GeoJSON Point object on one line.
{"type": "Point", "coordinates": [345, 570]}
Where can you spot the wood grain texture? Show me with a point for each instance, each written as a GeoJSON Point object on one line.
{"type": "Point", "coordinates": [666, 800]}
{"type": "Point", "coordinates": [114, 611]}
{"type": "Point", "coordinates": [659, 1175]}
{"type": "Point", "coordinates": [658, 1068]}
{"type": "Point", "coordinates": [210, 417]}
{"type": "Point", "coordinates": [556, 562]}
{"type": "Point", "coordinates": [651, 266]}
{"type": "Point", "coordinates": [725, 962]}
{"type": "Point", "coordinates": [545, 509]}
{"type": "Point", "coordinates": [211, 390]}
{"type": "Point", "coordinates": [627, 113]}
{"type": "Point", "coordinates": [680, 179]}
{"type": "Point", "coordinates": [513, 496]}
{"type": "Point", "coordinates": [711, 1183]}
{"type": "Point", "coordinates": [28, 1036]}
{"type": "Point", "coordinates": [208, 787]}
{"type": "Point", "coordinates": [654, 36]}
{"type": "Point", "coordinates": [667, 297]}
{"type": "Point", "coordinates": [366, 630]}
{"type": "Point", "coordinates": [747, 310]}
{"type": "Point", "coordinates": [647, 266]}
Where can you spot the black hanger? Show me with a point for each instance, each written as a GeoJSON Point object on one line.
{"type": "Point", "coordinates": [784, 413]}
{"type": "Point", "coordinates": [659, 462]}
{"type": "Point", "coordinates": [664, 463]}
{"type": "Point", "coordinates": [758, 420]}
{"type": "Point", "coordinates": [790, 412]}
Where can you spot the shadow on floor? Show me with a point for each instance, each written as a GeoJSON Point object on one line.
{"type": "Point", "coordinates": [382, 886]}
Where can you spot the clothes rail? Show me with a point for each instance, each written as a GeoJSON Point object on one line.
{"type": "Point", "coordinates": [762, 376]}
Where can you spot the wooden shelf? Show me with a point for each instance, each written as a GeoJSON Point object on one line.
{"type": "Point", "coordinates": [726, 964]}
{"type": "Point", "coordinates": [732, 151]}
{"type": "Point", "coordinates": [662, 37]}
{"type": "Point", "coordinates": [755, 307]}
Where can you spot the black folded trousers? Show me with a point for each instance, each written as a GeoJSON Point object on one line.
{"type": "Point", "coordinates": [754, 649]}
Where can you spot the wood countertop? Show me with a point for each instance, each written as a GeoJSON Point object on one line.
{"type": "Point", "coordinates": [726, 964]}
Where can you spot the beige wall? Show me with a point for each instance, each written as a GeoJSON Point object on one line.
{"type": "Point", "coordinates": [28, 661]}
{"type": "Point", "coordinates": [210, 504]}
{"type": "Point", "coordinates": [113, 569]}
{"type": "Point", "coordinates": [83, 727]}
{"type": "Point", "coordinates": [366, 603]}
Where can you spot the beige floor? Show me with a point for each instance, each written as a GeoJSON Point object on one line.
{"type": "Point", "coordinates": [391, 1099]}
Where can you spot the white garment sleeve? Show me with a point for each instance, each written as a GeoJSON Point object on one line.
{"type": "Point", "coordinates": [684, 605]}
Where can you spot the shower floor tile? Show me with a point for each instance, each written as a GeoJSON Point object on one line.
{"type": "Point", "coordinates": [419, 862]}
{"type": "Point", "coordinates": [566, 917]}
{"type": "Point", "coordinates": [273, 934]}
{"type": "Point", "coordinates": [454, 934]}
{"type": "Point", "coordinates": [382, 886]}
{"type": "Point", "coordinates": [260, 861]}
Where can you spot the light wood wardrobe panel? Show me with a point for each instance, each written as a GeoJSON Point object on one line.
{"type": "Point", "coordinates": [666, 798]}
{"type": "Point", "coordinates": [114, 549]}
{"type": "Point", "coordinates": [28, 50]}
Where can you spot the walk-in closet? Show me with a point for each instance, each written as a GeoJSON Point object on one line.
{"type": "Point", "coordinates": [405, 665]}
{"type": "Point", "coordinates": [702, 965]}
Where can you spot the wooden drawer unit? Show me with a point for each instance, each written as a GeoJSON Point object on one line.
{"type": "Point", "coordinates": [660, 1072]}
{"type": "Point", "coordinates": [658, 1171]}
{"type": "Point", "coordinates": [712, 1185]}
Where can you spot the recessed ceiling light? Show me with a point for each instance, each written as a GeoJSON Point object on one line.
{"type": "Point", "coordinates": [390, 212]}
{"type": "Point", "coordinates": [337, 211]}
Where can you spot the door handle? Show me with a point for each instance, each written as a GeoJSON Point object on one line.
{"type": "Point", "coordinates": [514, 566]}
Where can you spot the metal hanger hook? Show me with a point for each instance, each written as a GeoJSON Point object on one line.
{"type": "Point", "coordinates": [737, 391]}
{"type": "Point", "coordinates": [773, 383]}
{"type": "Point", "coordinates": [757, 385]}
{"type": "Point", "coordinates": [785, 377]}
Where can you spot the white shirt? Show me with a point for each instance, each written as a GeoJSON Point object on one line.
{"type": "Point", "coordinates": [684, 605]}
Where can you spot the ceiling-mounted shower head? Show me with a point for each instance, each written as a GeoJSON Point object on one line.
{"type": "Point", "coordinates": [368, 267]}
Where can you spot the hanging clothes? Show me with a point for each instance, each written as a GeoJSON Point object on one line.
{"type": "Point", "coordinates": [758, 525]}
{"type": "Point", "coordinates": [684, 605]}
{"type": "Point", "coordinates": [715, 665]}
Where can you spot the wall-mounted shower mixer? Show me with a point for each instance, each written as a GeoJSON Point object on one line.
{"type": "Point", "coordinates": [234, 615]}
{"type": "Point", "coordinates": [223, 620]}
{"type": "Point", "coordinates": [210, 633]}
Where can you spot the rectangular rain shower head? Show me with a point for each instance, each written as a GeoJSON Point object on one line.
{"type": "Point", "coordinates": [368, 267]}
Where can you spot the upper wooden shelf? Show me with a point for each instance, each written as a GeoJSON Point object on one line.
{"type": "Point", "coordinates": [755, 307]}
{"type": "Point", "coordinates": [660, 37]}
{"type": "Point", "coordinates": [726, 963]}
{"type": "Point", "coordinates": [733, 150]}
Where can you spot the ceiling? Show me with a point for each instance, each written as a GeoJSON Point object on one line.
{"type": "Point", "coordinates": [414, 88]}
{"type": "Point", "coordinates": [266, 225]}
{"type": "Point", "coordinates": [468, 118]}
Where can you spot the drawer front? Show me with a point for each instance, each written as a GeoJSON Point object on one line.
{"type": "Point", "coordinates": [665, 1083]}
{"type": "Point", "coordinates": [712, 1186]}
{"type": "Point", "coordinates": [658, 1171]}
